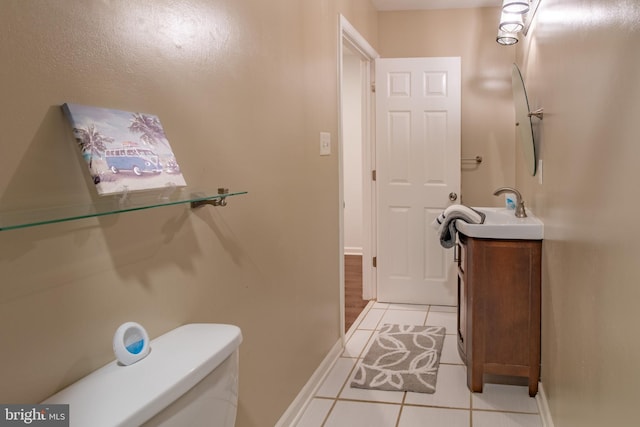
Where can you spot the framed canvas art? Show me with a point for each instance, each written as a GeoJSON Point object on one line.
{"type": "Point", "coordinates": [124, 151]}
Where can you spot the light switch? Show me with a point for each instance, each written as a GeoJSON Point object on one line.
{"type": "Point", "coordinates": [325, 143]}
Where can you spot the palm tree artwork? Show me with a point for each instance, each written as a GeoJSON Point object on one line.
{"type": "Point", "coordinates": [149, 126]}
{"type": "Point", "coordinates": [92, 142]}
{"type": "Point", "coordinates": [124, 151]}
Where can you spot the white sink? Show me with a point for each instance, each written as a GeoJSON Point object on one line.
{"type": "Point", "coordinates": [501, 223]}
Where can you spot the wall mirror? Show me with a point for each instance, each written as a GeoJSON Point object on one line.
{"type": "Point", "coordinates": [523, 119]}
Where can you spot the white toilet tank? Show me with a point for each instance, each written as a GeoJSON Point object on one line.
{"type": "Point", "coordinates": [190, 378]}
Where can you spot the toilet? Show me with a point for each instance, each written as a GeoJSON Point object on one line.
{"type": "Point", "coordinates": [190, 378]}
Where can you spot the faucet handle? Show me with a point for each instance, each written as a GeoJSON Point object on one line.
{"type": "Point", "coordinates": [520, 211]}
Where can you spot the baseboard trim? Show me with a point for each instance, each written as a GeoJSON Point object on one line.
{"type": "Point", "coordinates": [292, 415]}
{"type": "Point", "coordinates": [543, 407]}
{"type": "Point", "coordinates": [353, 251]}
{"type": "Point", "coordinates": [300, 403]}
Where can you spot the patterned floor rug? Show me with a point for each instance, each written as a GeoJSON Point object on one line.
{"type": "Point", "coordinates": [402, 358]}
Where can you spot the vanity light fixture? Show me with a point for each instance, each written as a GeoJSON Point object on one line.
{"type": "Point", "coordinates": [506, 39]}
{"type": "Point", "coordinates": [515, 6]}
{"type": "Point", "coordinates": [511, 22]}
{"type": "Point", "coordinates": [515, 18]}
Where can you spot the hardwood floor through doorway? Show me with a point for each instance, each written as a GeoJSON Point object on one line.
{"type": "Point", "coordinates": [353, 302]}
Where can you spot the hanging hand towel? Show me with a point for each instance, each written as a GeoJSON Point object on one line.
{"type": "Point", "coordinates": [445, 223]}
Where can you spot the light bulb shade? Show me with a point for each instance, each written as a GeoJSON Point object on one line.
{"type": "Point", "coordinates": [515, 6]}
{"type": "Point", "coordinates": [511, 22]}
{"type": "Point", "coordinates": [506, 39]}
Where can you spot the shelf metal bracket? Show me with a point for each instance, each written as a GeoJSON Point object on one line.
{"type": "Point", "coordinates": [476, 159]}
{"type": "Point", "coordinates": [539, 113]}
{"type": "Point", "coordinates": [221, 200]}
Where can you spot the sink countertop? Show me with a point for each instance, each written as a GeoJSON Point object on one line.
{"type": "Point", "coordinates": [501, 223]}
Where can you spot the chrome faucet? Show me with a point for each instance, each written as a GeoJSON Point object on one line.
{"type": "Point", "coordinates": [520, 212]}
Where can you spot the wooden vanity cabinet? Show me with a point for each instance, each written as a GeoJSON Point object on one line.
{"type": "Point", "coordinates": [499, 309]}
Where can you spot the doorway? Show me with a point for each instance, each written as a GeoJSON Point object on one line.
{"type": "Point", "coordinates": [356, 158]}
{"type": "Point", "coordinates": [413, 267]}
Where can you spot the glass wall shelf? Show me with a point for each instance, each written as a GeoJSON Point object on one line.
{"type": "Point", "coordinates": [109, 205]}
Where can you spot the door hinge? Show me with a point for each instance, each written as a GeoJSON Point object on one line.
{"type": "Point", "coordinates": [373, 175]}
{"type": "Point", "coordinates": [373, 87]}
{"type": "Point", "coordinates": [375, 261]}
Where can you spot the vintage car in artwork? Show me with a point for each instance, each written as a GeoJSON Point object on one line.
{"type": "Point", "coordinates": [136, 159]}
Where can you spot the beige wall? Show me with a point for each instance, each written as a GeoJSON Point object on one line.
{"type": "Point", "coordinates": [487, 109]}
{"type": "Point", "coordinates": [243, 90]}
{"type": "Point", "coordinates": [581, 64]}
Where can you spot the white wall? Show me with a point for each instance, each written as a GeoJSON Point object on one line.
{"type": "Point", "coordinates": [352, 153]}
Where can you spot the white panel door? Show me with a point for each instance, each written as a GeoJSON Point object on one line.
{"type": "Point", "coordinates": [418, 166]}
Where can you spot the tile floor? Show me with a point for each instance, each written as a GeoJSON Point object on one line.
{"type": "Point", "coordinates": [336, 404]}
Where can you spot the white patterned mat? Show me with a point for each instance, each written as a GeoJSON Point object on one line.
{"type": "Point", "coordinates": [402, 358]}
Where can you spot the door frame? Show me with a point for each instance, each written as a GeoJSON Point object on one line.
{"type": "Point", "coordinates": [350, 36]}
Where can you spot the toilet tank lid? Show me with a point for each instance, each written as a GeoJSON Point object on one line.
{"type": "Point", "coordinates": [118, 395]}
